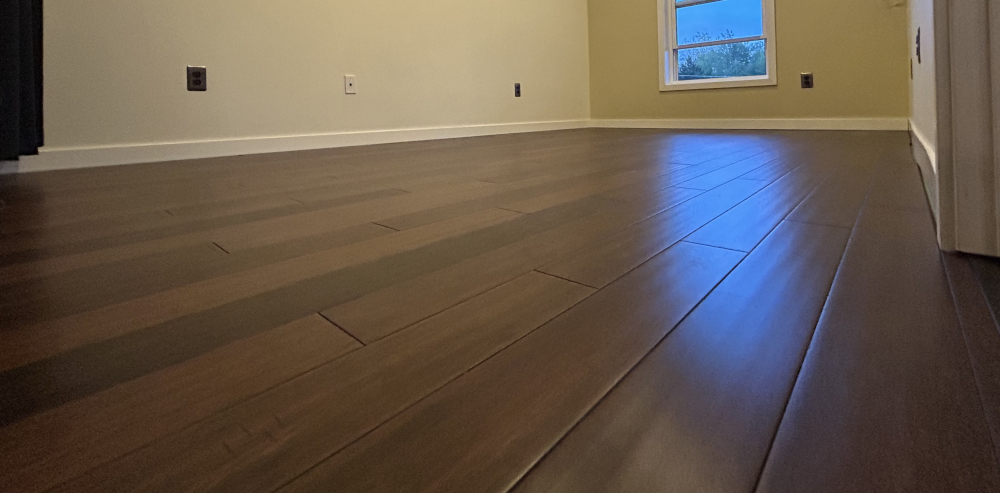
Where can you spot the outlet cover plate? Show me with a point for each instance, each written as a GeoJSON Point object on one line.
{"type": "Point", "coordinates": [197, 78]}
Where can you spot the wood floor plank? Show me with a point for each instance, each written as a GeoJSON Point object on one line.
{"type": "Point", "coordinates": [119, 420]}
{"type": "Point", "coordinates": [776, 169]}
{"type": "Point", "coordinates": [234, 233]}
{"type": "Point", "coordinates": [743, 227]}
{"type": "Point", "coordinates": [42, 302]}
{"type": "Point", "coordinates": [581, 354]}
{"type": "Point", "coordinates": [501, 199]}
{"type": "Point", "coordinates": [263, 443]}
{"type": "Point", "coordinates": [699, 413]}
{"type": "Point", "coordinates": [376, 315]}
{"type": "Point", "coordinates": [604, 261]}
{"type": "Point", "coordinates": [838, 200]}
{"type": "Point", "coordinates": [260, 233]}
{"type": "Point", "coordinates": [107, 233]}
{"type": "Point", "coordinates": [898, 185]}
{"type": "Point", "coordinates": [982, 336]}
{"type": "Point", "coordinates": [591, 188]}
{"type": "Point", "coordinates": [123, 343]}
{"type": "Point", "coordinates": [886, 399]}
{"type": "Point", "coordinates": [165, 324]}
{"type": "Point", "coordinates": [31, 343]}
{"type": "Point", "coordinates": [726, 174]}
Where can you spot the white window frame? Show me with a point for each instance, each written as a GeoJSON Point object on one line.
{"type": "Point", "coordinates": [669, 80]}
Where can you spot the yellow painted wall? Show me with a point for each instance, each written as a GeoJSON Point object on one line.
{"type": "Point", "coordinates": [114, 69]}
{"type": "Point", "coordinates": [857, 49]}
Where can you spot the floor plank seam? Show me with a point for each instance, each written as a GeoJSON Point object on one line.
{"type": "Point", "coordinates": [618, 382]}
{"type": "Point", "coordinates": [199, 421]}
{"type": "Point", "coordinates": [814, 223]}
{"type": "Point", "coordinates": [567, 280]}
{"type": "Point", "coordinates": [449, 307]}
{"type": "Point", "coordinates": [431, 393]}
{"type": "Point", "coordinates": [220, 248]}
{"type": "Point", "coordinates": [812, 337]}
{"type": "Point", "coordinates": [384, 226]}
{"type": "Point", "coordinates": [994, 315]}
{"type": "Point", "coordinates": [783, 217]}
{"type": "Point", "coordinates": [682, 239]}
{"type": "Point", "coordinates": [512, 210]}
{"type": "Point", "coordinates": [713, 246]}
{"type": "Point", "coordinates": [968, 352]}
{"type": "Point", "coordinates": [342, 329]}
{"type": "Point", "coordinates": [798, 373]}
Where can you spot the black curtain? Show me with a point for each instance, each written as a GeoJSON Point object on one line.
{"type": "Point", "coordinates": [20, 78]}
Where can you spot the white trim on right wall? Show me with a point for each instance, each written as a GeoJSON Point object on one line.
{"type": "Point", "coordinates": [925, 154]}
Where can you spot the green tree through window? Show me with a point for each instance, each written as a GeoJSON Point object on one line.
{"type": "Point", "coordinates": [729, 60]}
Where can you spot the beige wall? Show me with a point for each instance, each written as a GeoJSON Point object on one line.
{"type": "Point", "coordinates": [857, 50]}
{"type": "Point", "coordinates": [114, 69]}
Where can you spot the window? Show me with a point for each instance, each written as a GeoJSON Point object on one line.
{"type": "Point", "coordinates": [716, 43]}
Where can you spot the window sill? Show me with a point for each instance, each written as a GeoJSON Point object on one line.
{"type": "Point", "coordinates": [691, 85]}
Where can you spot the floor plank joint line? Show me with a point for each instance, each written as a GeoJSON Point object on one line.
{"type": "Point", "coordinates": [427, 396]}
{"type": "Point", "coordinates": [386, 227]}
{"type": "Point", "coordinates": [342, 329]}
{"type": "Point", "coordinates": [949, 272]}
{"type": "Point", "coordinates": [220, 248]}
{"type": "Point", "coordinates": [564, 279]}
{"type": "Point", "coordinates": [619, 381]}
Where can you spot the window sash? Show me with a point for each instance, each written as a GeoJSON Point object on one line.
{"type": "Point", "coordinates": [670, 47]}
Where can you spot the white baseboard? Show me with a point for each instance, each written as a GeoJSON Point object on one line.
{"type": "Point", "coordinates": [925, 154]}
{"type": "Point", "coordinates": [58, 158]}
{"type": "Point", "coordinates": [762, 124]}
{"type": "Point", "coordinates": [929, 148]}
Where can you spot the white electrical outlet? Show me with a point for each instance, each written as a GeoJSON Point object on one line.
{"type": "Point", "coordinates": [350, 84]}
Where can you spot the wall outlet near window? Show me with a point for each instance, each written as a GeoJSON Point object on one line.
{"type": "Point", "coordinates": [350, 84]}
{"type": "Point", "coordinates": [807, 80]}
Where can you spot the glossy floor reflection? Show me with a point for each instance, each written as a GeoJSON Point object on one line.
{"type": "Point", "coordinates": [590, 310]}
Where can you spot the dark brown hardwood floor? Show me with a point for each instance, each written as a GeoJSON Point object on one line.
{"type": "Point", "coordinates": [579, 311]}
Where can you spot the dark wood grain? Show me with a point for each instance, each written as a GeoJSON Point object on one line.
{"type": "Point", "coordinates": [510, 417]}
{"type": "Point", "coordinates": [723, 175]}
{"type": "Point", "coordinates": [608, 259]}
{"type": "Point", "coordinates": [838, 200]}
{"type": "Point", "coordinates": [378, 314]}
{"type": "Point", "coordinates": [394, 318]}
{"type": "Point", "coordinates": [982, 335]}
{"type": "Point", "coordinates": [225, 304]}
{"type": "Point", "coordinates": [260, 445]}
{"type": "Point", "coordinates": [110, 423]}
{"type": "Point", "coordinates": [698, 414]}
{"type": "Point", "coordinates": [886, 400]}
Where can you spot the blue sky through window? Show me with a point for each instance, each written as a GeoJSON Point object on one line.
{"type": "Point", "coordinates": [742, 17]}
